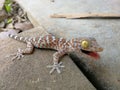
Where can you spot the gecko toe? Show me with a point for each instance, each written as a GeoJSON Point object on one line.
{"type": "Point", "coordinates": [58, 70]}
{"type": "Point", "coordinates": [52, 70]}
{"type": "Point", "coordinates": [17, 55]}
{"type": "Point", "coordinates": [55, 67]}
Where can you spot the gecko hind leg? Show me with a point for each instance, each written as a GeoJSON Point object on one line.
{"type": "Point", "coordinates": [20, 53]}
{"type": "Point", "coordinates": [17, 55]}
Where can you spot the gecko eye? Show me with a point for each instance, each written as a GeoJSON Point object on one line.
{"type": "Point", "coordinates": [85, 44]}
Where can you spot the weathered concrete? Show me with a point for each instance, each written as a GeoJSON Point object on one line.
{"type": "Point", "coordinates": [30, 73]}
{"type": "Point", "coordinates": [105, 31]}
{"type": "Point", "coordinates": [1, 4]}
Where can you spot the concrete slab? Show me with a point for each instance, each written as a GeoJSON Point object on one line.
{"type": "Point", "coordinates": [30, 73]}
{"type": "Point", "coordinates": [105, 31]}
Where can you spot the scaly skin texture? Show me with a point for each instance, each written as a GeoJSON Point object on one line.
{"type": "Point", "coordinates": [62, 46]}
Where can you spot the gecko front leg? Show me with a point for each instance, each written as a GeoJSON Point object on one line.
{"type": "Point", "coordinates": [56, 64]}
{"type": "Point", "coordinates": [20, 53]}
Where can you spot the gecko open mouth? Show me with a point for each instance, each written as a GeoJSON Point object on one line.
{"type": "Point", "coordinates": [91, 53]}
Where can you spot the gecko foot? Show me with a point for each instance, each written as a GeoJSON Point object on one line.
{"type": "Point", "coordinates": [55, 67]}
{"type": "Point", "coordinates": [17, 55]}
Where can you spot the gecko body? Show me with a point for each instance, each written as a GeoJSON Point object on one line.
{"type": "Point", "coordinates": [83, 46]}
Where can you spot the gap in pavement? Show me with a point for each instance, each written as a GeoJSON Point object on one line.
{"type": "Point", "coordinates": [89, 75]}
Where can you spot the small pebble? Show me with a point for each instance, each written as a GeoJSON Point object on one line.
{"type": "Point", "coordinates": [2, 24]}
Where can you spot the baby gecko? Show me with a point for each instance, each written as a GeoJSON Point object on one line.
{"type": "Point", "coordinates": [86, 47]}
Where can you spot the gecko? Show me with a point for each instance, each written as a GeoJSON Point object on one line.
{"type": "Point", "coordinates": [86, 47]}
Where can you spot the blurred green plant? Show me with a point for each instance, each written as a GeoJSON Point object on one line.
{"type": "Point", "coordinates": [8, 6]}
{"type": "Point", "coordinates": [9, 20]}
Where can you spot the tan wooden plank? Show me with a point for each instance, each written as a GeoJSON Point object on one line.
{"type": "Point", "coordinates": [85, 15]}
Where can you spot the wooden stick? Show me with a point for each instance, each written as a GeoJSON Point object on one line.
{"type": "Point", "coordinates": [86, 15]}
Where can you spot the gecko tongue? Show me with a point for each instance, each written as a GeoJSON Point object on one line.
{"type": "Point", "coordinates": [94, 55]}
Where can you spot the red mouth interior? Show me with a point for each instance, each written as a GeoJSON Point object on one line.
{"type": "Point", "coordinates": [94, 55]}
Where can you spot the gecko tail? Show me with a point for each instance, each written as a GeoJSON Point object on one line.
{"type": "Point", "coordinates": [16, 37]}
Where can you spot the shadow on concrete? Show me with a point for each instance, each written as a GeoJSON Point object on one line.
{"type": "Point", "coordinates": [89, 74]}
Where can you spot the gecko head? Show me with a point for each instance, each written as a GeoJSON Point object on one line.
{"type": "Point", "coordinates": [90, 47]}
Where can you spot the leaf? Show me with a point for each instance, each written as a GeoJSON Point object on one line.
{"type": "Point", "coordinates": [9, 20]}
{"type": "Point", "coordinates": [8, 8]}
{"type": "Point", "coordinates": [8, 1]}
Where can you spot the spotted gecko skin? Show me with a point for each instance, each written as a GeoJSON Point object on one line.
{"type": "Point", "coordinates": [62, 46]}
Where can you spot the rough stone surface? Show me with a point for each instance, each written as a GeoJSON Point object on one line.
{"type": "Point", "coordinates": [1, 4]}
{"type": "Point", "coordinates": [105, 31]}
{"type": "Point", "coordinates": [23, 26]}
{"type": "Point", "coordinates": [3, 15]}
{"type": "Point", "coordinates": [30, 73]}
